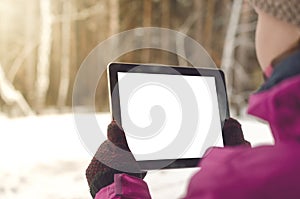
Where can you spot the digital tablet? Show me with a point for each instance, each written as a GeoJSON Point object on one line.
{"type": "Point", "coordinates": [170, 115]}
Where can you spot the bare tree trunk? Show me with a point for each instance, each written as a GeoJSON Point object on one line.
{"type": "Point", "coordinates": [147, 20]}
{"type": "Point", "coordinates": [180, 41]}
{"type": "Point", "coordinates": [43, 66]}
{"type": "Point", "coordinates": [208, 29]}
{"type": "Point", "coordinates": [229, 46]}
{"type": "Point", "coordinates": [3, 29]}
{"type": "Point", "coordinates": [165, 23]}
{"type": "Point", "coordinates": [25, 58]}
{"type": "Point", "coordinates": [199, 23]}
{"type": "Point", "coordinates": [65, 57]}
{"type": "Point", "coordinates": [242, 56]}
{"type": "Point", "coordinates": [30, 59]}
{"type": "Point", "coordinates": [114, 16]}
{"type": "Point", "coordinates": [114, 27]}
{"type": "Point", "coordinates": [241, 78]}
{"type": "Point", "coordinates": [12, 96]}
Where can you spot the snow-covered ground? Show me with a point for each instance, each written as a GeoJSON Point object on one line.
{"type": "Point", "coordinates": [42, 157]}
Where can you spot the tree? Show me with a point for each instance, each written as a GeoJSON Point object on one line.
{"type": "Point", "coordinates": [229, 46]}
{"type": "Point", "coordinates": [65, 54]}
{"type": "Point", "coordinates": [208, 28]}
{"type": "Point", "coordinates": [43, 66]}
{"type": "Point", "coordinates": [12, 96]}
{"type": "Point", "coordinates": [147, 22]}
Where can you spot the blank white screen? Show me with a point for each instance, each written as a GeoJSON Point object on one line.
{"type": "Point", "coordinates": [150, 93]}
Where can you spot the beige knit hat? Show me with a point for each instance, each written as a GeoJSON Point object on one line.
{"type": "Point", "coordinates": [285, 10]}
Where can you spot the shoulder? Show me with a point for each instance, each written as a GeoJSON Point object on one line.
{"type": "Point", "coordinates": [248, 173]}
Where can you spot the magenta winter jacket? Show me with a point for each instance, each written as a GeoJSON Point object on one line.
{"type": "Point", "coordinates": [266, 172]}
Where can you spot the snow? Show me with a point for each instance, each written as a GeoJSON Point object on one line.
{"type": "Point", "coordinates": [43, 157]}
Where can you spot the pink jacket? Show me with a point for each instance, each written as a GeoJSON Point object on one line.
{"type": "Point", "coordinates": [247, 173]}
{"type": "Point", "coordinates": [125, 187]}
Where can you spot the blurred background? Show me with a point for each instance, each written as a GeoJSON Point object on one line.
{"type": "Point", "coordinates": [44, 42]}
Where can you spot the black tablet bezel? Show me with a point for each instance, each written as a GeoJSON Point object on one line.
{"type": "Point", "coordinates": [112, 72]}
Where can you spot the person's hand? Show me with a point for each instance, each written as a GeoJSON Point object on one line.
{"type": "Point", "coordinates": [233, 134]}
{"type": "Point", "coordinates": [110, 160]}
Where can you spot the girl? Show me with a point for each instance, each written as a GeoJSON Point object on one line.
{"type": "Point", "coordinates": [242, 172]}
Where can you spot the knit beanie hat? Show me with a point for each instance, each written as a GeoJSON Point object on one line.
{"type": "Point", "coordinates": [285, 10]}
{"type": "Point", "coordinates": [99, 174]}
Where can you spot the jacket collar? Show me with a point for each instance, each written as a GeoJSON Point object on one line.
{"type": "Point", "coordinates": [285, 69]}
{"type": "Point", "coordinates": [278, 99]}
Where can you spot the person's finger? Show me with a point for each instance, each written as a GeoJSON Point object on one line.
{"type": "Point", "coordinates": [117, 136]}
{"type": "Point", "coordinates": [233, 133]}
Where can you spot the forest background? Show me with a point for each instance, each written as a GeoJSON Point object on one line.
{"type": "Point", "coordinates": [44, 42]}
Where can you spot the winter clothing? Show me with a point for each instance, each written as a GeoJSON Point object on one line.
{"type": "Point", "coordinates": [100, 175]}
{"type": "Point", "coordinates": [252, 173]}
{"type": "Point", "coordinates": [267, 171]}
{"type": "Point", "coordinates": [125, 187]}
{"type": "Point", "coordinates": [285, 10]}
{"type": "Point", "coordinates": [233, 134]}
{"type": "Point", "coordinates": [287, 68]}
